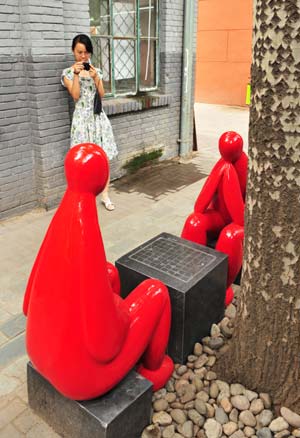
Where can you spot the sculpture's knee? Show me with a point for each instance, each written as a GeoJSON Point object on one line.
{"type": "Point", "coordinates": [195, 228]}
{"type": "Point", "coordinates": [230, 242]}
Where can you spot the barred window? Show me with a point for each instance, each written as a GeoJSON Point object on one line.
{"type": "Point", "coordinates": [126, 44]}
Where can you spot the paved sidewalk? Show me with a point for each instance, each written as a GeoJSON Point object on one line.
{"type": "Point", "coordinates": [154, 200]}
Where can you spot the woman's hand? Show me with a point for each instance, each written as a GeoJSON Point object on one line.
{"type": "Point", "coordinates": [93, 72]}
{"type": "Point", "coordinates": [98, 82]}
{"type": "Point", "coordinates": [77, 67]}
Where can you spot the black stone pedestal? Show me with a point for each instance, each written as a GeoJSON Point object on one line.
{"type": "Point", "coordinates": [122, 413]}
{"type": "Point", "coordinates": [196, 279]}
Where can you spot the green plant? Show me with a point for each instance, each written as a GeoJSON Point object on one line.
{"type": "Point", "coordinates": [142, 160]}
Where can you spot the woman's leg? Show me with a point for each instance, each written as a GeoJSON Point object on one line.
{"type": "Point", "coordinates": [105, 197]}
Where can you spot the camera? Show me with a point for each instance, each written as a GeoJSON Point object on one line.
{"type": "Point", "coordinates": [86, 66]}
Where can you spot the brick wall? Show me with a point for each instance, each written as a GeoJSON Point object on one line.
{"type": "Point", "coordinates": [35, 110]}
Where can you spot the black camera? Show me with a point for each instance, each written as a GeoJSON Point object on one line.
{"type": "Point", "coordinates": [86, 66]}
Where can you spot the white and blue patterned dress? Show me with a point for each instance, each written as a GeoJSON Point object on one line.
{"type": "Point", "coordinates": [87, 126]}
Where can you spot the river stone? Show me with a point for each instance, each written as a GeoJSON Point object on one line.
{"type": "Point", "coordinates": [201, 361]}
{"type": "Point", "coordinates": [195, 417]}
{"type": "Point", "coordinates": [234, 415]}
{"type": "Point", "coordinates": [291, 417]}
{"type": "Point", "coordinates": [198, 349]}
{"type": "Point", "coordinates": [264, 418]}
{"type": "Point", "coordinates": [266, 399]}
{"type": "Point", "coordinates": [189, 405]}
{"type": "Point", "coordinates": [214, 390]}
{"type": "Point", "coordinates": [176, 405]}
{"type": "Point", "coordinates": [178, 415]}
{"type": "Point", "coordinates": [229, 428]}
{"type": "Point", "coordinates": [160, 405]}
{"type": "Point", "coordinates": [169, 431]}
{"type": "Point", "coordinates": [216, 343]}
{"type": "Point", "coordinates": [210, 411]}
{"type": "Point", "coordinates": [211, 375]}
{"type": "Point", "coordinates": [211, 361]}
{"type": "Point", "coordinates": [181, 370]}
{"type": "Point", "coordinates": [189, 392]}
{"type": "Point", "coordinates": [236, 389]}
{"type": "Point", "coordinates": [180, 386]}
{"type": "Point", "coordinates": [208, 350]}
{"type": "Point", "coordinates": [249, 431]}
{"type": "Point", "coordinates": [186, 429]}
{"type": "Point", "coordinates": [240, 402]}
{"type": "Point", "coordinates": [152, 431]}
{"type": "Point", "coordinates": [230, 311]}
{"type": "Point", "coordinates": [248, 418]}
{"type": "Point", "coordinates": [170, 397]}
{"type": "Point", "coordinates": [251, 395]}
{"type": "Point", "coordinates": [278, 425]}
{"type": "Point", "coordinates": [214, 330]}
{"type": "Point", "coordinates": [212, 428]}
{"type": "Point", "coordinates": [296, 433]}
{"type": "Point", "coordinates": [202, 395]}
{"type": "Point", "coordinates": [225, 404]}
{"type": "Point", "coordinates": [224, 389]}
{"type": "Point", "coordinates": [256, 406]}
{"type": "Point", "coordinates": [200, 406]}
{"type": "Point", "coordinates": [265, 432]}
{"type": "Point", "coordinates": [283, 434]}
{"type": "Point", "coordinates": [221, 416]}
{"type": "Point", "coordinates": [197, 382]}
{"type": "Point", "coordinates": [170, 386]}
{"type": "Point", "coordinates": [162, 418]}
{"type": "Point", "coordinates": [237, 434]}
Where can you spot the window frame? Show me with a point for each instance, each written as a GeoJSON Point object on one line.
{"type": "Point", "coordinates": [139, 90]}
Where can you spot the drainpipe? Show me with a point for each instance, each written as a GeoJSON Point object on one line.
{"type": "Point", "coordinates": [186, 118]}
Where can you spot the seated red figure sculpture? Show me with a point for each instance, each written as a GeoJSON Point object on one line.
{"type": "Point", "coordinates": [81, 335]}
{"type": "Point", "coordinates": [219, 208]}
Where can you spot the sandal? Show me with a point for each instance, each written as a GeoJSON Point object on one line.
{"type": "Point", "coordinates": [110, 206]}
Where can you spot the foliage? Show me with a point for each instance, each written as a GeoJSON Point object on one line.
{"type": "Point", "coordinates": [142, 160]}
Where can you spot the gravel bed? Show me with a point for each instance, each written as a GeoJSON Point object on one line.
{"type": "Point", "coordinates": [195, 403]}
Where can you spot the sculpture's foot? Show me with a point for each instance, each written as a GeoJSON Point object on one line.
{"type": "Point", "coordinates": [229, 296]}
{"type": "Point", "coordinates": [160, 376]}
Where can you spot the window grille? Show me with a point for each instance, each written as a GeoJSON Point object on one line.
{"type": "Point", "coordinates": [126, 44]}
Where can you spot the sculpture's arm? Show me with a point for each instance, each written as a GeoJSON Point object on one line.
{"type": "Point", "coordinates": [232, 195]}
{"type": "Point", "coordinates": [210, 187]}
{"type": "Point", "coordinates": [105, 318]}
{"type": "Point", "coordinates": [114, 278]}
{"type": "Point", "coordinates": [241, 166]}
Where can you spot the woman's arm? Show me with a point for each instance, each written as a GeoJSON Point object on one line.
{"type": "Point", "coordinates": [97, 80]}
{"type": "Point", "coordinates": [73, 86]}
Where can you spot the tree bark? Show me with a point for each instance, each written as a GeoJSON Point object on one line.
{"type": "Point", "coordinates": [264, 353]}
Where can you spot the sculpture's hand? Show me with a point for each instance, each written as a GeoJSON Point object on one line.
{"type": "Point", "coordinates": [232, 195]}
{"type": "Point", "coordinates": [113, 276]}
{"type": "Point", "coordinates": [210, 187]}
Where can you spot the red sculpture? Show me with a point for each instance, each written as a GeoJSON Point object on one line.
{"type": "Point", "coordinates": [81, 335]}
{"type": "Point", "coordinates": [219, 209]}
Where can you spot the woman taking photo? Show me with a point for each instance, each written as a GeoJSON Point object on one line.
{"type": "Point", "coordinates": [89, 123]}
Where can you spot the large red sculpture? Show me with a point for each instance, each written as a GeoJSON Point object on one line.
{"type": "Point", "coordinates": [81, 335]}
{"type": "Point", "coordinates": [219, 209]}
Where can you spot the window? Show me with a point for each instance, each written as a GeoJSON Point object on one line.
{"type": "Point", "coordinates": [125, 41]}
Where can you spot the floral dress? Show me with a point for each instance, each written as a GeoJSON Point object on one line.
{"type": "Point", "coordinates": [87, 126]}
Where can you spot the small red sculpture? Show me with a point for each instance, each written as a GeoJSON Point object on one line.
{"type": "Point", "coordinates": [81, 335]}
{"type": "Point", "coordinates": [219, 209]}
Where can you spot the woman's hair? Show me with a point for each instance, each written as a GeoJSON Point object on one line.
{"type": "Point", "coordinates": [85, 40]}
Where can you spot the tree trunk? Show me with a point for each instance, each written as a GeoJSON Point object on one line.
{"type": "Point", "coordinates": [264, 354]}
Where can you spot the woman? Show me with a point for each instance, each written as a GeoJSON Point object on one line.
{"type": "Point", "coordinates": [83, 80]}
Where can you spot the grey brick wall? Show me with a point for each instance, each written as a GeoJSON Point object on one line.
{"type": "Point", "coordinates": [35, 110]}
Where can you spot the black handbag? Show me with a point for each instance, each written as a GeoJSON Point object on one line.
{"type": "Point", "coordinates": [97, 103]}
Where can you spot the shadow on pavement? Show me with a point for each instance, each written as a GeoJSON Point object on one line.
{"type": "Point", "coordinates": [157, 180]}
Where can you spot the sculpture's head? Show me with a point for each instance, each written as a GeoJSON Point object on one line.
{"type": "Point", "coordinates": [86, 168]}
{"type": "Point", "coordinates": [231, 146]}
